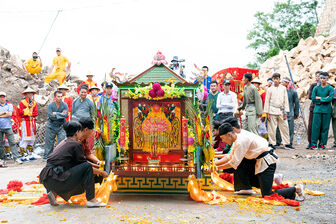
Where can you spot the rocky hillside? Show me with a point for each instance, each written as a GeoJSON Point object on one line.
{"type": "Point", "coordinates": [14, 79]}
{"type": "Point", "coordinates": [311, 55]}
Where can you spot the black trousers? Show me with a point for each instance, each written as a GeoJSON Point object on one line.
{"type": "Point", "coordinates": [223, 116]}
{"type": "Point", "coordinates": [245, 178]}
{"type": "Point", "coordinates": [81, 180]}
{"type": "Point", "coordinates": [264, 181]}
{"type": "Point", "coordinates": [241, 176]}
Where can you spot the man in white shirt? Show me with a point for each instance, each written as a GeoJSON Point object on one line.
{"type": "Point", "coordinates": [226, 102]}
{"type": "Point", "coordinates": [253, 162]}
{"type": "Point", "coordinates": [276, 107]}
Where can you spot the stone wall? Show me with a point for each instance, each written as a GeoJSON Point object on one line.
{"type": "Point", "coordinates": [14, 80]}
{"type": "Point", "coordinates": [327, 21]}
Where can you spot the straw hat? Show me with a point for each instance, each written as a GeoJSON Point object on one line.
{"type": "Point", "coordinates": [63, 86]}
{"type": "Point", "coordinates": [29, 90]}
{"type": "Point", "coordinates": [256, 80]}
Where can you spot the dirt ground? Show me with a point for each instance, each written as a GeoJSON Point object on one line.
{"type": "Point", "coordinates": [316, 168]}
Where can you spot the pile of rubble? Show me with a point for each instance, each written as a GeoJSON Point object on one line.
{"type": "Point", "coordinates": [14, 79]}
{"type": "Point", "coordinates": [311, 55]}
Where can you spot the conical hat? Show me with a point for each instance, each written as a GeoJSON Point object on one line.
{"type": "Point", "coordinates": [63, 86]}
{"type": "Point", "coordinates": [29, 90]}
{"type": "Point", "coordinates": [94, 87]}
{"type": "Point", "coordinates": [256, 80]}
{"type": "Point", "coordinates": [89, 73]}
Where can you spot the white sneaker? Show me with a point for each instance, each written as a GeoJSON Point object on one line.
{"type": "Point", "coordinates": [91, 204]}
{"type": "Point", "coordinates": [52, 199]}
{"type": "Point", "coordinates": [36, 156]}
{"type": "Point", "coordinates": [18, 160]}
{"type": "Point", "coordinates": [278, 177]}
{"type": "Point", "coordinates": [300, 193]}
{"type": "Point", "coordinates": [245, 192]}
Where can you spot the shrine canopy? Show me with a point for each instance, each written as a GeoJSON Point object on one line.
{"type": "Point", "coordinates": [157, 73]}
{"type": "Point", "coordinates": [235, 75]}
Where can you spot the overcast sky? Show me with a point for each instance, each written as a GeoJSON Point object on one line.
{"type": "Point", "coordinates": [101, 34]}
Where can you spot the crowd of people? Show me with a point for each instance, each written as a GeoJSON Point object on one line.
{"type": "Point", "coordinates": [22, 118]}
{"type": "Point", "coordinates": [246, 150]}
{"type": "Point", "coordinates": [271, 112]}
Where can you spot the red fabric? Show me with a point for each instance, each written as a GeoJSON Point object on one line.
{"type": "Point", "coordinates": [263, 97]}
{"type": "Point", "coordinates": [15, 118]}
{"type": "Point", "coordinates": [227, 176]}
{"type": "Point", "coordinates": [27, 118]}
{"type": "Point", "coordinates": [277, 197]}
{"type": "Point", "coordinates": [31, 182]}
{"type": "Point", "coordinates": [87, 82]}
{"type": "Point", "coordinates": [236, 74]}
{"type": "Point", "coordinates": [219, 144]}
{"type": "Point", "coordinates": [281, 186]}
{"type": "Point", "coordinates": [41, 201]}
{"type": "Point", "coordinates": [68, 101]}
{"type": "Point", "coordinates": [171, 158]}
{"type": "Point", "coordinates": [22, 107]}
{"type": "Point", "coordinates": [14, 185]}
{"type": "Point", "coordinates": [87, 145]}
{"type": "Point", "coordinates": [3, 191]}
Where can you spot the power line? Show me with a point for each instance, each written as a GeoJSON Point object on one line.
{"type": "Point", "coordinates": [58, 12]}
{"type": "Point", "coordinates": [46, 11]}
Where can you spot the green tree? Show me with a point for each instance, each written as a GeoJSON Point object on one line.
{"type": "Point", "coordinates": [282, 29]}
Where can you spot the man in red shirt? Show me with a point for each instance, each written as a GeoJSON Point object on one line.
{"type": "Point", "coordinates": [28, 112]}
{"type": "Point", "coordinates": [89, 82]}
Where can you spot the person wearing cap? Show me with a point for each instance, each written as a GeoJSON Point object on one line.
{"type": "Point", "coordinates": [294, 106]}
{"type": "Point", "coordinates": [15, 128]}
{"type": "Point", "coordinates": [252, 104]}
{"type": "Point", "coordinates": [57, 112]}
{"type": "Point", "coordinates": [66, 99]}
{"type": "Point", "coordinates": [89, 82]}
{"type": "Point", "coordinates": [312, 106]}
{"type": "Point", "coordinates": [28, 112]}
{"type": "Point", "coordinates": [236, 128]}
{"type": "Point", "coordinates": [6, 111]}
{"type": "Point", "coordinates": [276, 107]}
{"type": "Point", "coordinates": [226, 102]}
{"type": "Point", "coordinates": [82, 106]}
{"type": "Point", "coordinates": [322, 96]}
{"type": "Point", "coordinates": [253, 163]}
{"type": "Point", "coordinates": [107, 99]}
{"type": "Point", "coordinates": [94, 97]}
{"type": "Point", "coordinates": [59, 63]}
{"type": "Point", "coordinates": [33, 65]}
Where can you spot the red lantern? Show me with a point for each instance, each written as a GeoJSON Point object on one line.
{"type": "Point", "coordinates": [122, 132]}
{"type": "Point", "coordinates": [184, 133]}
